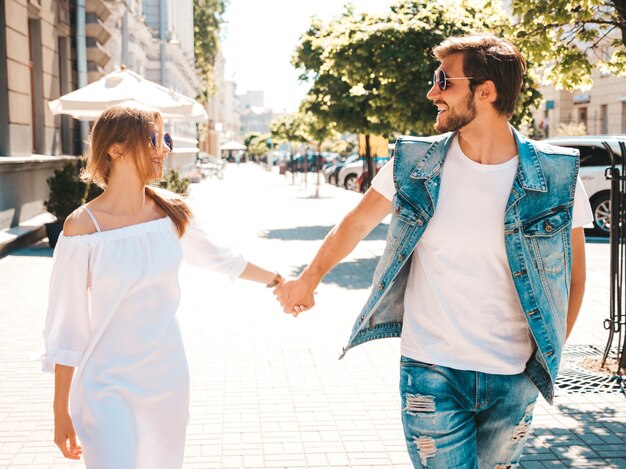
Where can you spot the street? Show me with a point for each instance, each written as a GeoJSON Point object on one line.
{"type": "Point", "coordinates": [268, 390]}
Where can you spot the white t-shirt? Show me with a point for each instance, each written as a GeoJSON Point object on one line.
{"type": "Point", "coordinates": [461, 307]}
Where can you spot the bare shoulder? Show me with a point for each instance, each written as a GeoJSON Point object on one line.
{"type": "Point", "coordinates": [78, 223]}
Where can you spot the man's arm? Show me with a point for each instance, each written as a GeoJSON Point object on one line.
{"type": "Point", "coordinates": [297, 295]}
{"type": "Point", "coordinates": [579, 269]}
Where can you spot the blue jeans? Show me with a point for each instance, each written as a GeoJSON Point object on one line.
{"type": "Point", "coordinates": [464, 419]}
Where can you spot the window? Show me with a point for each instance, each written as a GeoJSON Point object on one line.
{"type": "Point", "coordinates": [604, 119]}
{"type": "Point", "coordinates": [4, 89]}
{"type": "Point", "coordinates": [593, 156]}
{"type": "Point", "coordinates": [36, 84]}
{"type": "Point", "coordinates": [582, 116]}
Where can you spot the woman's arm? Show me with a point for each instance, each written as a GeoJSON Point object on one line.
{"type": "Point", "coordinates": [257, 274]}
{"type": "Point", "coordinates": [63, 427]}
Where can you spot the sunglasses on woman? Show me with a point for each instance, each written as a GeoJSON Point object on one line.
{"type": "Point", "coordinates": [442, 80]}
{"type": "Point", "coordinates": [167, 140]}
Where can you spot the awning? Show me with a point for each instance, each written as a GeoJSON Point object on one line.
{"type": "Point", "coordinates": [127, 88]}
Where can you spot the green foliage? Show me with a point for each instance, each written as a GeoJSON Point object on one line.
{"type": "Point", "coordinates": [370, 73]}
{"type": "Point", "coordinates": [208, 16]}
{"type": "Point", "coordinates": [93, 191]}
{"type": "Point", "coordinates": [313, 127]}
{"type": "Point", "coordinates": [289, 128]}
{"type": "Point", "coordinates": [342, 146]}
{"type": "Point", "coordinates": [249, 137]}
{"type": "Point", "coordinates": [257, 144]}
{"type": "Point", "coordinates": [569, 38]}
{"type": "Point", "coordinates": [172, 181]}
{"type": "Point", "coordinates": [67, 191]}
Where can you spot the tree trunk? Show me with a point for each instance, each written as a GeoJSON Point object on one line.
{"type": "Point", "coordinates": [293, 169]}
{"type": "Point", "coordinates": [370, 163]}
{"type": "Point", "coordinates": [319, 170]}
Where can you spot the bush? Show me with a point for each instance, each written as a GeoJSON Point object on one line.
{"type": "Point", "coordinates": [67, 192]}
{"type": "Point", "coordinates": [173, 182]}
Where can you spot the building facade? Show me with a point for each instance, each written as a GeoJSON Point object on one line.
{"type": "Point", "coordinates": [602, 109]}
{"type": "Point", "coordinates": [257, 119]}
{"type": "Point", "coordinates": [223, 110]}
{"type": "Point", "coordinates": [36, 53]}
{"type": "Point", "coordinates": [51, 47]}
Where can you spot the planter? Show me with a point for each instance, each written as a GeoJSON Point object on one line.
{"type": "Point", "coordinates": [53, 230]}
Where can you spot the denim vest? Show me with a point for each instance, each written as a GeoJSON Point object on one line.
{"type": "Point", "coordinates": [537, 231]}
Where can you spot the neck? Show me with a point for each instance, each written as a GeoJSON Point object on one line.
{"type": "Point", "coordinates": [488, 140]}
{"type": "Point", "coordinates": [125, 193]}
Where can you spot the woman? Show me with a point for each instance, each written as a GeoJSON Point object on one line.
{"type": "Point", "coordinates": [113, 297]}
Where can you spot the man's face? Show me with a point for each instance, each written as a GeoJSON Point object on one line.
{"type": "Point", "coordinates": [456, 102]}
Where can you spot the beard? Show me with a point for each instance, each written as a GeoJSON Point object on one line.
{"type": "Point", "coordinates": [458, 119]}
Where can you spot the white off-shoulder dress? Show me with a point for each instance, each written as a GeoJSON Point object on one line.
{"type": "Point", "coordinates": [111, 314]}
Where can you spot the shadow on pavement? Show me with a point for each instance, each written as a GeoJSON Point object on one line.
{"type": "Point", "coordinates": [352, 274]}
{"type": "Point", "coordinates": [598, 439]}
{"type": "Point", "coordinates": [314, 233]}
{"type": "Point", "coordinates": [41, 249]}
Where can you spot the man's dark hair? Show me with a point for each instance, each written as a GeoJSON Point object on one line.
{"type": "Point", "coordinates": [487, 57]}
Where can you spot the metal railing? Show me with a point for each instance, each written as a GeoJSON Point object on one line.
{"type": "Point", "coordinates": [616, 323]}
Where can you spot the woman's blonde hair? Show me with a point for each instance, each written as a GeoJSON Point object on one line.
{"type": "Point", "coordinates": [131, 128]}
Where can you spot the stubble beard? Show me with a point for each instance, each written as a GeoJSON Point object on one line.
{"type": "Point", "coordinates": [458, 120]}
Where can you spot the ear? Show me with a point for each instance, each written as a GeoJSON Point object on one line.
{"type": "Point", "coordinates": [487, 92]}
{"type": "Point", "coordinates": [116, 151]}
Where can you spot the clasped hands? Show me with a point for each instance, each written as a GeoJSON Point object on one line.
{"type": "Point", "coordinates": [295, 296]}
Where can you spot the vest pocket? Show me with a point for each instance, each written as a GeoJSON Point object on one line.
{"type": "Point", "coordinates": [546, 237]}
{"type": "Point", "coordinates": [548, 224]}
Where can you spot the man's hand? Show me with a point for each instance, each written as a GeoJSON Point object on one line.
{"type": "Point", "coordinates": [295, 296]}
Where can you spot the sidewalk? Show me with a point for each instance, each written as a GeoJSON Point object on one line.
{"type": "Point", "coordinates": [268, 391]}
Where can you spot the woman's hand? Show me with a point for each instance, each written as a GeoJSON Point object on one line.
{"type": "Point", "coordinates": [65, 435]}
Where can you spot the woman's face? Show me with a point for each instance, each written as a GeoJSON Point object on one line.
{"type": "Point", "coordinates": [160, 144]}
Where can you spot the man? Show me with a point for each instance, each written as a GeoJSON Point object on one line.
{"type": "Point", "coordinates": [484, 269]}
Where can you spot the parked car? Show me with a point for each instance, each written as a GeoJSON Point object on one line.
{"type": "Point", "coordinates": [349, 174]}
{"type": "Point", "coordinates": [594, 159]}
{"type": "Point", "coordinates": [330, 174]}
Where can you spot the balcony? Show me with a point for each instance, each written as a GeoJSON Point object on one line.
{"type": "Point", "coordinates": [96, 53]}
{"type": "Point", "coordinates": [95, 28]}
{"type": "Point", "coordinates": [99, 7]}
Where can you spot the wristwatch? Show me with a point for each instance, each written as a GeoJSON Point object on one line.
{"type": "Point", "coordinates": [277, 279]}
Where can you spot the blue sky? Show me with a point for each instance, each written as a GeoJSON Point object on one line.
{"type": "Point", "coordinates": [259, 39]}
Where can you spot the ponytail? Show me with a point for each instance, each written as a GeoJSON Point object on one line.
{"type": "Point", "coordinates": [173, 205]}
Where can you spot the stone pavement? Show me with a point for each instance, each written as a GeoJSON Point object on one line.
{"type": "Point", "coordinates": [267, 389]}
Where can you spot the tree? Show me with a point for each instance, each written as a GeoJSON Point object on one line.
{"type": "Point", "coordinates": [256, 143]}
{"type": "Point", "coordinates": [317, 131]}
{"type": "Point", "coordinates": [208, 16]}
{"type": "Point", "coordinates": [250, 137]}
{"type": "Point", "coordinates": [569, 38]}
{"type": "Point", "coordinates": [370, 73]}
{"type": "Point", "coordinates": [289, 129]}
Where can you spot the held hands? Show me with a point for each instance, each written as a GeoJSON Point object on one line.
{"type": "Point", "coordinates": [64, 432]}
{"type": "Point", "coordinates": [295, 296]}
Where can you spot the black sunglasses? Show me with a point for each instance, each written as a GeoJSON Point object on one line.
{"type": "Point", "coordinates": [440, 78]}
{"type": "Point", "coordinates": [167, 140]}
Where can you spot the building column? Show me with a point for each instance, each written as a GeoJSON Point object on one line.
{"type": "Point", "coordinates": [5, 143]}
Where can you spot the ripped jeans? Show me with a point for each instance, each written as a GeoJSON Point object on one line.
{"type": "Point", "coordinates": [464, 419]}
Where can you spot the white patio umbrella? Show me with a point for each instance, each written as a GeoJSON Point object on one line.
{"type": "Point", "coordinates": [233, 146]}
{"type": "Point", "coordinates": [128, 88]}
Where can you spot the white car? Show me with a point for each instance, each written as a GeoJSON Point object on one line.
{"type": "Point", "coordinates": [594, 160]}
{"type": "Point", "coordinates": [349, 174]}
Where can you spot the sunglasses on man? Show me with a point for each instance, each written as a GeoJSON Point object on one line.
{"type": "Point", "coordinates": [167, 140]}
{"type": "Point", "coordinates": [442, 80]}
